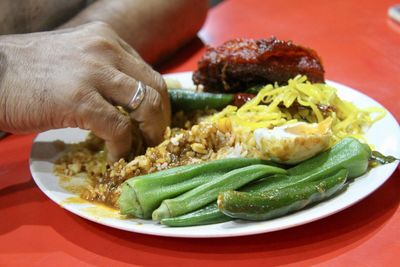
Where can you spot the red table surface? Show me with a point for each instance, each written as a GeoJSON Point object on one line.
{"type": "Point", "coordinates": [360, 47]}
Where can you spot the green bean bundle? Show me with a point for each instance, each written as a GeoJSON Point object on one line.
{"type": "Point", "coordinates": [141, 195]}
{"type": "Point", "coordinates": [349, 154]}
{"type": "Point", "coordinates": [208, 192]}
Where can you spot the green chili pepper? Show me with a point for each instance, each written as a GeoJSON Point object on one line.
{"type": "Point", "coordinates": [275, 203]}
{"type": "Point", "coordinates": [187, 100]}
{"type": "Point", "coordinates": [254, 89]}
{"type": "Point", "coordinates": [208, 192]}
{"type": "Point", "coordinates": [348, 154]}
{"type": "Point", "coordinates": [141, 195]}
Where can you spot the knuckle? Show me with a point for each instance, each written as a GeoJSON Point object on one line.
{"type": "Point", "coordinates": [138, 64]}
{"type": "Point", "coordinates": [92, 73]}
{"type": "Point", "coordinates": [99, 25]}
{"type": "Point", "coordinates": [93, 65]}
{"type": "Point", "coordinates": [102, 43]}
{"type": "Point", "coordinates": [83, 107]}
{"type": "Point", "coordinates": [121, 81]}
{"type": "Point", "coordinates": [80, 94]}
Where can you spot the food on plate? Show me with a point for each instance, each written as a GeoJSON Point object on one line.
{"type": "Point", "coordinates": [286, 140]}
{"type": "Point", "coordinates": [204, 194]}
{"type": "Point", "coordinates": [379, 158]}
{"type": "Point", "coordinates": [312, 180]}
{"type": "Point", "coordinates": [266, 205]}
{"type": "Point", "coordinates": [142, 195]}
{"type": "Point", "coordinates": [349, 154]}
{"type": "Point", "coordinates": [293, 143]}
{"type": "Point", "coordinates": [189, 100]}
{"type": "Point", "coordinates": [242, 63]}
{"type": "Point", "coordinates": [210, 214]}
{"type": "Point", "coordinates": [301, 101]}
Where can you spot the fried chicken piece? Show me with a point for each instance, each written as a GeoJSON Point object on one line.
{"type": "Point", "coordinates": [241, 63]}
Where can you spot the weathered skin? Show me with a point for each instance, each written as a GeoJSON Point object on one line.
{"type": "Point", "coordinates": [73, 77]}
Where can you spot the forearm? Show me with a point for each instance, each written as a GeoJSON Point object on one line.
{"type": "Point", "coordinates": [154, 28]}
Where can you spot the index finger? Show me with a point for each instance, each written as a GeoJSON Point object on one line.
{"type": "Point", "coordinates": [105, 121]}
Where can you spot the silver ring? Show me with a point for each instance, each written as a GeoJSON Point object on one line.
{"type": "Point", "coordinates": [137, 97]}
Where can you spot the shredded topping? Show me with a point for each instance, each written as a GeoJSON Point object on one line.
{"type": "Point", "coordinates": [299, 101]}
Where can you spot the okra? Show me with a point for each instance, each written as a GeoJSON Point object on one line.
{"type": "Point", "coordinates": [141, 195]}
{"type": "Point", "coordinates": [348, 154]}
{"type": "Point", "coordinates": [207, 215]}
{"type": "Point", "coordinates": [208, 192]}
{"type": "Point", "coordinates": [382, 159]}
{"type": "Point", "coordinates": [275, 203]}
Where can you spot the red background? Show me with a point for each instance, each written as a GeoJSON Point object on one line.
{"type": "Point", "coordinates": [360, 47]}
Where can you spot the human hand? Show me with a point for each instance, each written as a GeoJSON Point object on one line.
{"type": "Point", "coordinates": [72, 78]}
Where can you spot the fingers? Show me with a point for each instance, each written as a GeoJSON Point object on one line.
{"type": "Point", "coordinates": [141, 71]}
{"type": "Point", "coordinates": [128, 48]}
{"type": "Point", "coordinates": [137, 68]}
{"type": "Point", "coordinates": [117, 87]}
{"type": "Point", "coordinates": [151, 118]}
{"type": "Point", "coordinates": [118, 81]}
{"type": "Point", "coordinates": [105, 121]}
{"type": "Point", "coordinates": [120, 88]}
{"type": "Point", "coordinates": [153, 79]}
{"type": "Point", "coordinates": [152, 114]}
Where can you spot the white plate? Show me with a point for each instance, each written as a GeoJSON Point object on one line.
{"type": "Point", "coordinates": [385, 135]}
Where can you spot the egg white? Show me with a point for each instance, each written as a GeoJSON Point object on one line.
{"type": "Point", "coordinates": [293, 143]}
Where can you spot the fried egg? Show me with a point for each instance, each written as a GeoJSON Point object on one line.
{"type": "Point", "coordinates": [293, 143]}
